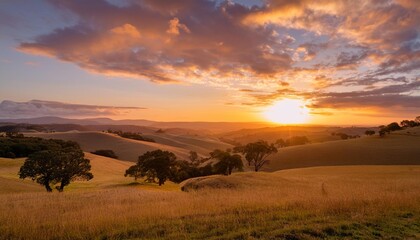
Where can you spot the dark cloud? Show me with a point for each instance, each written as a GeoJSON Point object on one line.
{"type": "Point", "coordinates": [350, 60]}
{"type": "Point", "coordinates": [38, 108]}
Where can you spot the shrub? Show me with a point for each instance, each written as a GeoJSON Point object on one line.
{"type": "Point", "coordinates": [105, 153]}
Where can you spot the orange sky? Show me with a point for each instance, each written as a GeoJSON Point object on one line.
{"type": "Point", "coordinates": [346, 62]}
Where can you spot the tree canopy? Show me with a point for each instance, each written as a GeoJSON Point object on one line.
{"type": "Point", "coordinates": [155, 166]}
{"type": "Point", "coordinates": [56, 166]}
{"type": "Point", "coordinates": [227, 162]}
{"type": "Point", "coordinates": [256, 153]}
{"type": "Point", "coordinates": [370, 132]}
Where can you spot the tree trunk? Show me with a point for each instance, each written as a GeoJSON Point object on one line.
{"type": "Point", "coordinates": [61, 188]}
{"type": "Point", "coordinates": [47, 186]}
{"type": "Point", "coordinates": [62, 185]}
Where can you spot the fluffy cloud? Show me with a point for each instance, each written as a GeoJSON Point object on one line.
{"type": "Point", "coordinates": [38, 108]}
{"type": "Point", "coordinates": [195, 41]}
{"type": "Point", "coordinates": [343, 46]}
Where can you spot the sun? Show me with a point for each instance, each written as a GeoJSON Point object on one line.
{"type": "Point", "coordinates": [287, 111]}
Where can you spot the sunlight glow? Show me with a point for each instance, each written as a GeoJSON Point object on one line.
{"type": "Point", "coordinates": [287, 111]}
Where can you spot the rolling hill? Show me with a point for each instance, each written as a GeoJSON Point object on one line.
{"type": "Point", "coordinates": [106, 171]}
{"type": "Point", "coordinates": [126, 149]}
{"type": "Point", "coordinates": [398, 148]}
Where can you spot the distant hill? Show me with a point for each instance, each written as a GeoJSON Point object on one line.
{"type": "Point", "coordinates": [126, 149]}
{"type": "Point", "coordinates": [215, 127]}
{"type": "Point", "coordinates": [50, 120]}
{"type": "Point", "coordinates": [271, 134]}
{"type": "Point", "coordinates": [398, 148]}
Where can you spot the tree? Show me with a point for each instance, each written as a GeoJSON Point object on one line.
{"type": "Point", "coordinates": [154, 165]}
{"type": "Point", "coordinates": [194, 158]}
{"type": "Point", "coordinates": [56, 166]}
{"type": "Point", "coordinates": [280, 143]}
{"type": "Point", "coordinates": [256, 153]}
{"type": "Point", "coordinates": [409, 123]}
{"type": "Point", "coordinates": [226, 162]}
{"type": "Point", "coordinates": [73, 166]}
{"type": "Point", "coordinates": [393, 126]}
{"type": "Point", "coordinates": [370, 132]}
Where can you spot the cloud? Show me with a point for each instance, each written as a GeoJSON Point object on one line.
{"type": "Point", "coordinates": [38, 108]}
{"type": "Point", "coordinates": [398, 95]}
{"type": "Point", "coordinates": [318, 50]}
{"type": "Point", "coordinates": [175, 26]}
{"type": "Point", "coordinates": [146, 40]}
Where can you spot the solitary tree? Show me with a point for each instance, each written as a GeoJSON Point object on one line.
{"type": "Point", "coordinates": [256, 153]}
{"type": "Point", "coordinates": [73, 166]}
{"type": "Point", "coordinates": [51, 167]}
{"type": "Point", "coordinates": [153, 165]}
{"type": "Point", "coordinates": [227, 162]}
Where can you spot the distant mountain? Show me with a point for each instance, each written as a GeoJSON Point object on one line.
{"type": "Point", "coordinates": [215, 127]}
{"type": "Point", "coordinates": [51, 120]}
{"type": "Point", "coordinates": [86, 121]}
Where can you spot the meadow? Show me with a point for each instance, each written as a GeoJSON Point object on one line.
{"type": "Point", "coordinates": [352, 202]}
{"type": "Point", "coordinates": [376, 195]}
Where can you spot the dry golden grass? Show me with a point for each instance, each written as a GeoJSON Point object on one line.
{"type": "Point", "coordinates": [398, 148]}
{"type": "Point", "coordinates": [365, 202]}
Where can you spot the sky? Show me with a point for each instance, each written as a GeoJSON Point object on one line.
{"type": "Point", "coordinates": [343, 62]}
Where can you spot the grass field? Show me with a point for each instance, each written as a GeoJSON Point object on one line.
{"type": "Point", "coordinates": [353, 202]}
{"type": "Point", "coordinates": [379, 201]}
{"type": "Point", "coordinates": [398, 148]}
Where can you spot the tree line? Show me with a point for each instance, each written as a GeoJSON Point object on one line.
{"type": "Point", "coordinates": [159, 166]}
{"type": "Point", "coordinates": [52, 162]}
{"type": "Point", "coordinates": [394, 126]}
{"type": "Point", "coordinates": [131, 135]}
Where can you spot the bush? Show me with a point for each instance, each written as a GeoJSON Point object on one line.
{"type": "Point", "coordinates": [131, 135]}
{"type": "Point", "coordinates": [105, 153]}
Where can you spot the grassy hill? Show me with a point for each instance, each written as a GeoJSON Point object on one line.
{"type": "Point", "coordinates": [107, 172]}
{"type": "Point", "coordinates": [9, 180]}
{"type": "Point", "coordinates": [126, 149]}
{"type": "Point", "coordinates": [271, 134]}
{"type": "Point", "coordinates": [398, 148]}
